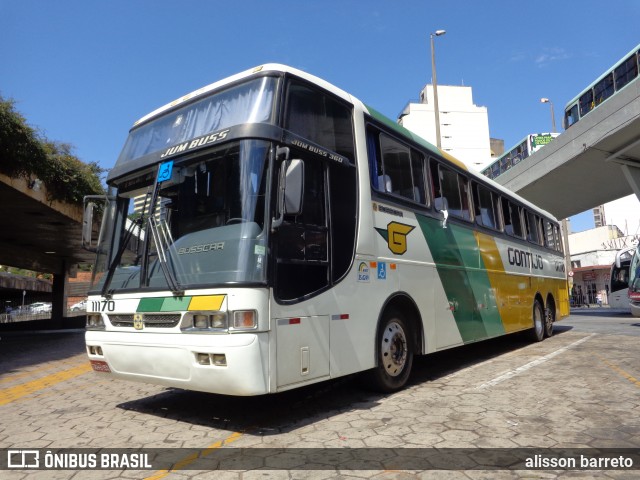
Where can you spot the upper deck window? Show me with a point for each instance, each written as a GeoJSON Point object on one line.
{"type": "Point", "coordinates": [319, 118]}
{"type": "Point", "coordinates": [250, 102]}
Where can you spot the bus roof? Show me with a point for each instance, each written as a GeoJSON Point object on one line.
{"type": "Point", "coordinates": [606, 72]}
{"type": "Point", "coordinates": [268, 67]}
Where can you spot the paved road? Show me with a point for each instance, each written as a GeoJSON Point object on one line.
{"type": "Point", "coordinates": [485, 404]}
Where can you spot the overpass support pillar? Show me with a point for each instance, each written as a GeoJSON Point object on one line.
{"type": "Point", "coordinates": [59, 293]}
{"type": "Point", "coordinates": [632, 174]}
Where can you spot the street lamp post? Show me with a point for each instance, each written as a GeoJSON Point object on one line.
{"type": "Point", "coordinates": [437, 33]}
{"type": "Point", "coordinates": [553, 116]}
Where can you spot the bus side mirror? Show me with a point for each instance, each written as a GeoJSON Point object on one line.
{"type": "Point", "coordinates": [294, 187]}
{"type": "Point", "coordinates": [90, 205]}
{"type": "Point", "coordinates": [87, 227]}
{"type": "Point", "coordinates": [290, 191]}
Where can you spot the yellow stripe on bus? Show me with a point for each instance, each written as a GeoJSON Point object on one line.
{"type": "Point", "coordinates": [505, 287]}
{"type": "Point", "coordinates": [206, 302]}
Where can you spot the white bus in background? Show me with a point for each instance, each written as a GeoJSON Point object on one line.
{"type": "Point", "coordinates": [619, 279]}
{"type": "Point", "coordinates": [634, 283]}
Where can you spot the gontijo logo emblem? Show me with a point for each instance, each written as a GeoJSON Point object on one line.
{"type": "Point", "coordinates": [396, 236]}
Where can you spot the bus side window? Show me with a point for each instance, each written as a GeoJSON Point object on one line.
{"type": "Point", "coordinates": [452, 190]}
{"type": "Point", "coordinates": [395, 168]}
{"type": "Point", "coordinates": [603, 89]}
{"type": "Point", "coordinates": [512, 218]}
{"type": "Point", "coordinates": [532, 220]}
{"type": "Point", "coordinates": [586, 103]}
{"type": "Point", "coordinates": [556, 234]}
{"type": "Point", "coordinates": [396, 164]}
{"type": "Point", "coordinates": [486, 207]}
{"type": "Point", "coordinates": [419, 171]}
{"type": "Point", "coordinates": [626, 72]}
{"type": "Point", "coordinates": [549, 240]}
{"type": "Point", "coordinates": [571, 116]}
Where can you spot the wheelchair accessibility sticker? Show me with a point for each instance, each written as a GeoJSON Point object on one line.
{"type": "Point", "coordinates": [382, 271]}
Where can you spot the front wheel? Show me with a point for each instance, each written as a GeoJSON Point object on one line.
{"type": "Point", "coordinates": [394, 352]}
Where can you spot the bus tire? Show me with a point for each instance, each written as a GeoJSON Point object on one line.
{"type": "Point", "coordinates": [394, 352]}
{"type": "Point", "coordinates": [537, 332]}
{"type": "Point", "coordinates": [549, 320]}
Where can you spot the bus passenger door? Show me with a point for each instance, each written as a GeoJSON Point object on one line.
{"type": "Point", "coordinates": [302, 271]}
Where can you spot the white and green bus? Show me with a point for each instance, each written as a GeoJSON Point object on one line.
{"type": "Point", "coordinates": [270, 231]}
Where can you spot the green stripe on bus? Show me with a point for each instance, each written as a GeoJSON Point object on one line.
{"type": "Point", "coordinates": [173, 304]}
{"type": "Point", "coordinates": [150, 305]}
{"type": "Point", "coordinates": [163, 304]}
{"type": "Point", "coordinates": [464, 279]}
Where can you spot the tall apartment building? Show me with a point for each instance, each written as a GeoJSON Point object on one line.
{"type": "Point", "coordinates": [464, 127]}
{"type": "Point", "coordinates": [599, 218]}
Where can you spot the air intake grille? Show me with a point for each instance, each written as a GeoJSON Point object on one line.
{"type": "Point", "coordinates": [151, 320]}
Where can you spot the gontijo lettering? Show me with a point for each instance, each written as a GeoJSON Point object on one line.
{"type": "Point", "coordinates": [522, 258]}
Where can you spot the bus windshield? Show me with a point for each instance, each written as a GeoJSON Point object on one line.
{"type": "Point", "coordinates": [249, 102]}
{"type": "Point", "coordinates": [206, 225]}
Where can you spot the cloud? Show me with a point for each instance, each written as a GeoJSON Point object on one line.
{"type": "Point", "coordinates": [554, 54]}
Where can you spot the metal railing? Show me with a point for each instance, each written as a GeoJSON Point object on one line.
{"type": "Point", "coordinates": [15, 317]}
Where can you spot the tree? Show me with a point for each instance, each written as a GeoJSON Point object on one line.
{"type": "Point", "coordinates": [27, 153]}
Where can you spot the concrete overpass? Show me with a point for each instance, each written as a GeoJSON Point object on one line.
{"type": "Point", "coordinates": [41, 235]}
{"type": "Point", "coordinates": [593, 162]}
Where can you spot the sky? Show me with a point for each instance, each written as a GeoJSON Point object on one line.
{"type": "Point", "coordinates": [83, 71]}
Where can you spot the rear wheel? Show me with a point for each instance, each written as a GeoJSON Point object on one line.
{"type": "Point", "coordinates": [395, 354]}
{"type": "Point", "coordinates": [550, 317]}
{"type": "Point", "coordinates": [537, 333]}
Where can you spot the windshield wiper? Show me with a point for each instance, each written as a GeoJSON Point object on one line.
{"type": "Point", "coordinates": [137, 223]}
{"type": "Point", "coordinates": [162, 239]}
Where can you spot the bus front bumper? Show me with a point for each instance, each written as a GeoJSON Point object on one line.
{"type": "Point", "coordinates": [230, 364]}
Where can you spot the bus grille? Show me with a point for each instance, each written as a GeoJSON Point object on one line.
{"type": "Point", "coordinates": [159, 320]}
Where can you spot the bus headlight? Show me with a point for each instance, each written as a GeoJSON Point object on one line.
{"type": "Point", "coordinates": [206, 321]}
{"type": "Point", "coordinates": [218, 320]}
{"type": "Point", "coordinates": [245, 320]}
{"type": "Point", "coordinates": [201, 321]}
{"type": "Point", "coordinates": [95, 322]}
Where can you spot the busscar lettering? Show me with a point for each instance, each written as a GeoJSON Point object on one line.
{"type": "Point", "coordinates": [195, 143]}
{"type": "Point", "coordinates": [522, 258]}
{"type": "Point", "coordinates": [207, 247]}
